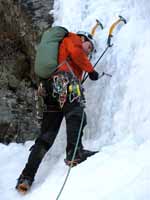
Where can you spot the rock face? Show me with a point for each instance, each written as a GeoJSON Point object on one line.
{"type": "Point", "coordinates": [21, 25]}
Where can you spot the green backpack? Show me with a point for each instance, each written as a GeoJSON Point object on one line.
{"type": "Point", "coordinates": [46, 60]}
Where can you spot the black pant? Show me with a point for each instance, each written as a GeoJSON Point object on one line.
{"type": "Point", "coordinates": [73, 113]}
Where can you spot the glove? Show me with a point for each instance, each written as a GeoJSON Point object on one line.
{"type": "Point", "coordinates": [94, 75]}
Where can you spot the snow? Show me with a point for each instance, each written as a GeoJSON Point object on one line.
{"type": "Point", "coordinates": [118, 113]}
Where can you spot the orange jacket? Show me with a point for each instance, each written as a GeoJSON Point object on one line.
{"type": "Point", "coordinates": [71, 47]}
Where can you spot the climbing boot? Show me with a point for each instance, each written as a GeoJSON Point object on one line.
{"type": "Point", "coordinates": [23, 184]}
{"type": "Point", "coordinates": [81, 156]}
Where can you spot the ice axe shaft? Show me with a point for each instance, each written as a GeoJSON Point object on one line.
{"type": "Point", "coordinates": [101, 56]}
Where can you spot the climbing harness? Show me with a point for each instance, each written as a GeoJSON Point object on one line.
{"type": "Point", "coordinates": [121, 19]}
{"type": "Point", "coordinates": [66, 85]}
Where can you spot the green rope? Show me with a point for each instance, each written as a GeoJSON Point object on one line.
{"type": "Point", "coordinates": [73, 157]}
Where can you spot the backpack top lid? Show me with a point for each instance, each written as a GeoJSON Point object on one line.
{"type": "Point", "coordinates": [54, 34]}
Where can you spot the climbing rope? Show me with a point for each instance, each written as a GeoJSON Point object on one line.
{"type": "Point", "coordinates": [73, 157]}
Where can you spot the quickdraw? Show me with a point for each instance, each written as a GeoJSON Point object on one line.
{"type": "Point", "coordinates": [39, 103]}
{"type": "Point", "coordinates": [74, 91]}
{"type": "Point", "coordinates": [60, 87]}
{"type": "Point", "coordinates": [65, 87]}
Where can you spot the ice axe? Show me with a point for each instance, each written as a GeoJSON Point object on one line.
{"type": "Point", "coordinates": [98, 23]}
{"type": "Point", "coordinates": [121, 19]}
